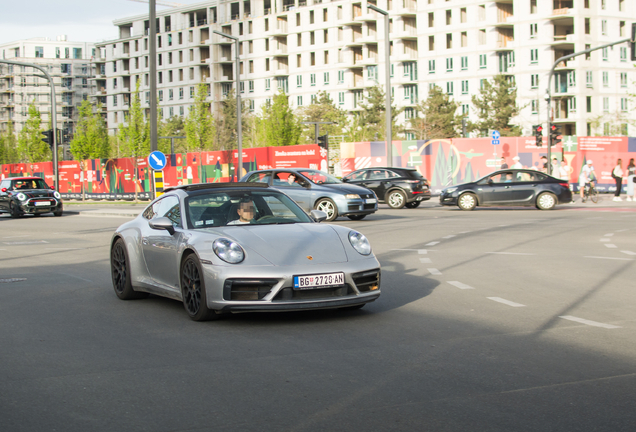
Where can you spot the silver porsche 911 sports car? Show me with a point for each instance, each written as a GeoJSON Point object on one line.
{"type": "Point", "coordinates": [241, 247]}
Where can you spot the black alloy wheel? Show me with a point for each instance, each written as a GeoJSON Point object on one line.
{"type": "Point", "coordinates": [193, 290]}
{"type": "Point", "coordinates": [396, 199]}
{"type": "Point", "coordinates": [414, 204]}
{"type": "Point", "coordinates": [120, 272]}
{"type": "Point", "coordinates": [15, 210]}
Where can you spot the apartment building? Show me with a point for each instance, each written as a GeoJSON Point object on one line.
{"type": "Point", "coordinates": [303, 46]}
{"type": "Point", "coordinates": [68, 63]}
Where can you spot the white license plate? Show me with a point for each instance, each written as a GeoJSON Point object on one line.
{"type": "Point", "coordinates": [42, 203]}
{"type": "Point", "coordinates": [370, 200]}
{"type": "Point", "coordinates": [318, 281]}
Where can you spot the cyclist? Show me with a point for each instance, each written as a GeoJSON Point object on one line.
{"type": "Point", "coordinates": [587, 176]}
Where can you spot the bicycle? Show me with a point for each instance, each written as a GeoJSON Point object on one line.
{"type": "Point", "coordinates": [590, 192]}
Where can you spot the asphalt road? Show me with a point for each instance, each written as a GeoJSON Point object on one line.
{"type": "Point", "coordinates": [491, 320]}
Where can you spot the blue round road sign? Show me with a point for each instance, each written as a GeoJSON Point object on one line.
{"type": "Point", "coordinates": [157, 160]}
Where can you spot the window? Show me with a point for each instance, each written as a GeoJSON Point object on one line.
{"type": "Point", "coordinates": [299, 100]}
{"type": "Point", "coordinates": [312, 59]}
{"type": "Point", "coordinates": [535, 106]}
{"type": "Point", "coordinates": [449, 64]}
{"type": "Point", "coordinates": [191, 92]}
{"type": "Point", "coordinates": [481, 12]}
{"type": "Point", "coordinates": [465, 109]}
{"type": "Point", "coordinates": [115, 100]}
{"type": "Point", "coordinates": [621, 28]}
{"type": "Point", "coordinates": [588, 103]}
{"type": "Point", "coordinates": [449, 17]}
{"type": "Point", "coordinates": [589, 79]}
{"type": "Point", "coordinates": [605, 54]}
{"type": "Point", "coordinates": [312, 38]}
{"type": "Point", "coordinates": [482, 37]}
{"type": "Point", "coordinates": [431, 43]}
{"type": "Point", "coordinates": [605, 104]}
{"type": "Point", "coordinates": [326, 57]}
{"type": "Point", "coordinates": [410, 70]}
{"type": "Point", "coordinates": [326, 78]}
{"type": "Point", "coordinates": [588, 55]}
{"type": "Point", "coordinates": [266, 64]}
{"type": "Point", "coordinates": [341, 77]}
{"type": "Point", "coordinates": [464, 62]}
{"type": "Point", "coordinates": [588, 29]}
{"type": "Point", "coordinates": [170, 94]}
{"type": "Point", "coordinates": [39, 52]}
{"type": "Point", "coordinates": [586, 4]}
{"type": "Point", "coordinates": [463, 15]}
{"type": "Point", "coordinates": [572, 104]}
{"type": "Point", "coordinates": [534, 81]}
{"type": "Point", "coordinates": [251, 86]}
{"type": "Point", "coordinates": [533, 6]}
{"type": "Point", "coordinates": [311, 17]}
{"type": "Point", "coordinates": [605, 79]}
{"type": "Point", "coordinates": [299, 60]}
{"type": "Point", "coordinates": [312, 80]}
{"type": "Point", "coordinates": [180, 92]}
{"type": "Point", "coordinates": [341, 98]}
{"type": "Point", "coordinates": [623, 51]}
{"type": "Point", "coordinates": [533, 30]}
{"type": "Point", "coordinates": [410, 93]}
{"type": "Point", "coordinates": [77, 53]}
{"type": "Point", "coordinates": [623, 79]}
{"type": "Point", "coordinates": [465, 87]}
{"type": "Point", "coordinates": [251, 101]}
{"type": "Point", "coordinates": [571, 78]}
{"type": "Point", "coordinates": [603, 5]}
{"type": "Point", "coordinates": [604, 27]}
{"type": "Point", "coordinates": [624, 104]}
{"type": "Point", "coordinates": [299, 81]}
{"type": "Point", "coordinates": [449, 88]}
{"type": "Point", "coordinates": [409, 113]}
{"type": "Point", "coordinates": [482, 61]}
{"type": "Point", "coordinates": [431, 19]}
{"type": "Point", "coordinates": [464, 39]}
{"type": "Point", "coordinates": [431, 66]}
{"type": "Point", "coordinates": [449, 40]}
{"type": "Point", "coordinates": [268, 84]}
{"type": "Point", "coordinates": [372, 73]}
{"type": "Point", "coordinates": [534, 56]}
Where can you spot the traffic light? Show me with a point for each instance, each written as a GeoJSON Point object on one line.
{"type": "Point", "coordinates": [632, 43]}
{"type": "Point", "coordinates": [538, 135]}
{"type": "Point", "coordinates": [48, 137]}
{"type": "Point", "coordinates": [323, 141]}
{"type": "Point", "coordinates": [555, 135]}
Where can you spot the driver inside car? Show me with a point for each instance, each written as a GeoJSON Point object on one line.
{"type": "Point", "coordinates": [245, 211]}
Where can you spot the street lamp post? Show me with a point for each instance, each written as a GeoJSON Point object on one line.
{"type": "Point", "coordinates": [387, 73]}
{"type": "Point", "coordinates": [171, 138]}
{"type": "Point", "coordinates": [153, 75]}
{"type": "Point", "coordinates": [239, 130]}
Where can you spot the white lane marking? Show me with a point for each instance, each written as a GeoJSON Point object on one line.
{"type": "Point", "coordinates": [431, 244]}
{"type": "Point", "coordinates": [422, 251]}
{"type": "Point", "coordinates": [26, 242]}
{"type": "Point", "coordinates": [623, 230]}
{"type": "Point", "coordinates": [629, 252]}
{"type": "Point", "coordinates": [509, 253]}
{"type": "Point", "coordinates": [464, 232]}
{"type": "Point", "coordinates": [434, 271]}
{"type": "Point", "coordinates": [419, 250]}
{"type": "Point", "coordinates": [12, 237]}
{"type": "Point", "coordinates": [609, 235]}
{"type": "Point", "coordinates": [460, 285]}
{"type": "Point", "coordinates": [605, 239]}
{"type": "Point", "coordinates": [64, 248]}
{"type": "Point", "coordinates": [588, 322]}
{"type": "Point", "coordinates": [506, 302]}
{"type": "Point", "coordinates": [448, 236]}
{"type": "Point", "coordinates": [599, 257]}
{"type": "Point", "coordinates": [611, 246]}
{"type": "Point", "coordinates": [425, 260]}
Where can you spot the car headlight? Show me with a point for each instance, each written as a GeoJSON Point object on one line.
{"type": "Point", "coordinates": [57, 195]}
{"type": "Point", "coordinates": [228, 250]}
{"type": "Point", "coordinates": [352, 196]}
{"type": "Point", "coordinates": [451, 190]}
{"type": "Point", "coordinates": [21, 196]}
{"type": "Point", "coordinates": [359, 243]}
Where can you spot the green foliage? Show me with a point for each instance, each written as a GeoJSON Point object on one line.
{"type": "Point", "coordinates": [199, 125]}
{"type": "Point", "coordinates": [91, 134]}
{"type": "Point", "coordinates": [8, 144]}
{"type": "Point", "coordinates": [438, 118]}
{"type": "Point", "coordinates": [174, 126]}
{"type": "Point", "coordinates": [30, 147]}
{"type": "Point", "coordinates": [323, 109]}
{"type": "Point", "coordinates": [372, 119]}
{"type": "Point", "coordinates": [280, 126]}
{"type": "Point", "coordinates": [134, 136]}
{"type": "Point", "coordinates": [495, 106]}
{"type": "Point", "coordinates": [226, 130]}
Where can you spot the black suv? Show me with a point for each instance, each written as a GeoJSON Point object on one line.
{"type": "Point", "coordinates": [398, 187]}
{"type": "Point", "coordinates": [29, 195]}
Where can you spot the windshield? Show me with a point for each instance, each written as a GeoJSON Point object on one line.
{"type": "Point", "coordinates": [227, 208]}
{"type": "Point", "coordinates": [319, 177]}
{"type": "Point", "coordinates": [29, 184]}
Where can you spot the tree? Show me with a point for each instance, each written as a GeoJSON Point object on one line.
{"type": "Point", "coordinates": [134, 136]}
{"type": "Point", "coordinates": [8, 153]}
{"type": "Point", "coordinates": [373, 115]}
{"type": "Point", "coordinates": [30, 146]}
{"type": "Point", "coordinates": [438, 116]}
{"type": "Point", "coordinates": [322, 109]}
{"type": "Point", "coordinates": [495, 106]}
{"type": "Point", "coordinates": [199, 125]}
{"type": "Point", "coordinates": [90, 140]}
{"type": "Point", "coordinates": [280, 126]}
{"type": "Point", "coordinates": [174, 126]}
{"type": "Point", "coordinates": [226, 131]}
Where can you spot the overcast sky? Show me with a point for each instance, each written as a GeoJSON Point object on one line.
{"type": "Point", "coordinates": [81, 20]}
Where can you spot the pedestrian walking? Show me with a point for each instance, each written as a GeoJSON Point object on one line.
{"type": "Point", "coordinates": [631, 179]}
{"type": "Point", "coordinates": [565, 170]}
{"type": "Point", "coordinates": [617, 175]}
{"type": "Point", "coordinates": [504, 165]}
{"type": "Point", "coordinates": [517, 164]}
{"type": "Point", "coordinates": [556, 169]}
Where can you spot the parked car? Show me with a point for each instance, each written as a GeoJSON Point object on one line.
{"type": "Point", "coordinates": [398, 187]}
{"type": "Point", "coordinates": [313, 189]}
{"type": "Point", "coordinates": [241, 247]}
{"type": "Point", "coordinates": [29, 195]}
{"type": "Point", "coordinates": [511, 187]}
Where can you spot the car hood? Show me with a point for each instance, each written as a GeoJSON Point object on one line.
{"type": "Point", "coordinates": [35, 193]}
{"type": "Point", "coordinates": [346, 188]}
{"type": "Point", "coordinates": [292, 244]}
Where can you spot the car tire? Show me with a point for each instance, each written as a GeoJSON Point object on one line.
{"type": "Point", "coordinates": [193, 290]}
{"type": "Point", "coordinates": [120, 272]}
{"type": "Point", "coordinates": [396, 199]}
{"type": "Point", "coordinates": [58, 213]}
{"type": "Point", "coordinates": [15, 210]}
{"type": "Point", "coordinates": [546, 201]}
{"type": "Point", "coordinates": [414, 204]}
{"type": "Point", "coordinates": [467, 201]}
{"type": "Point", "coordinates": [356, 217]}
{"type": "Point", "coordinates": [329, 207]}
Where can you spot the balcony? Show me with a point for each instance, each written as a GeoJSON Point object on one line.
{"type": "Point", "coordinates": [410, 9]}
{"type": "Point", "coordinates": [563, 41]}
{"type": "Point", "coordinates": [277, 28]}
{"type": "Point", "coordinates": [405, 56]}
{"type": "Point", "coordinates": [370, 60]}
{"type": "Point", "coordinates": [223, 78]}
{"type": "Point", "coordinates": [405, 33]}
{"type": "Point", "coordinates": [281, 71]}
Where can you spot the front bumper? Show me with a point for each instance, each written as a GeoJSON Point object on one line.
{"type": "Point", "coordinates": [30, 206]}
{"type": "Point", "coordinates": [356, 207]}
{"type": "Point", "coordinates": [449, 199]}
{"type": "Point", "coordinates": [270, 288]}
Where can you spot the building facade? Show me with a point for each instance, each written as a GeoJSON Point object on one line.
{"type": "Point", "coordinates": [338, 46]}
{"type": "Point", "coordinates": [68, 63]}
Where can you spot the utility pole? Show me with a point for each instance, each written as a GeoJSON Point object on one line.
{"type": "Point", "coordinates": [53, 114]}
{"type": "Point", "coordinates": [316, 135]}
{"type": "Point", "coordinates": [171, 138]}
{"type": "Point", "coordinates": [152, 38]}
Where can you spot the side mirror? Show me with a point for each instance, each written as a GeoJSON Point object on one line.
{"type": "Point", "coordinates": [344, 179]}
{"type": "Point", "coordinates": [162, 223]}
{"type": "Point", "coordinates": [318, 215]}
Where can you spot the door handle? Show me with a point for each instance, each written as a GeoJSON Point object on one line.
{"type": "Point", "coordinates": [144, 241]}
